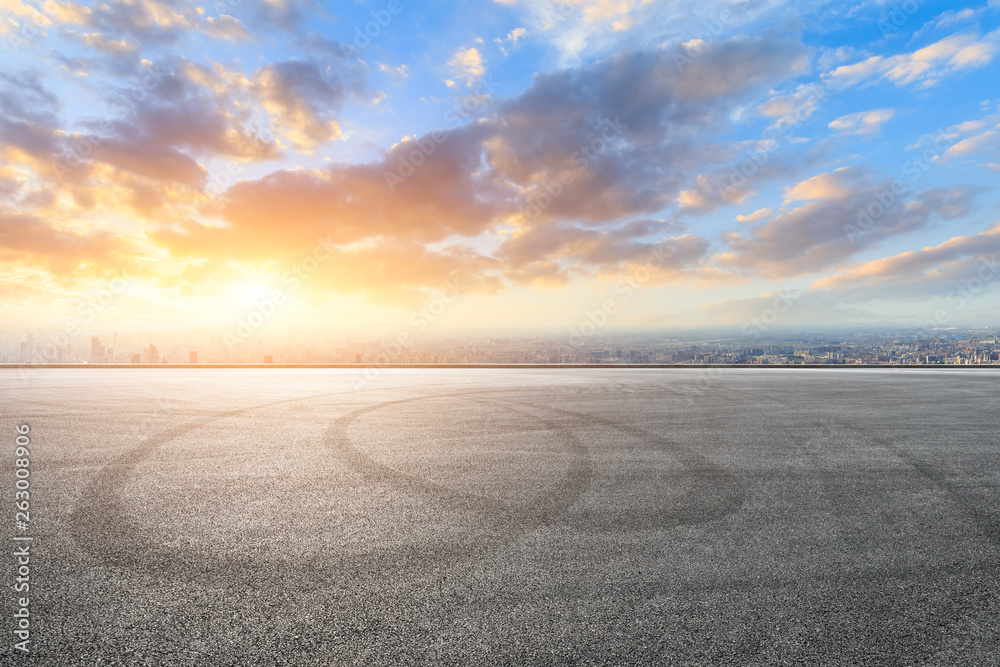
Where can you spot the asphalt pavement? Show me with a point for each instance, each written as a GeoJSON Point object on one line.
{"type": "Point", "coordinates": [506, 516]}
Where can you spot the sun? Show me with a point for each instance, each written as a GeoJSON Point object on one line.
{"type": "Point", "coordinates": [251, 291]}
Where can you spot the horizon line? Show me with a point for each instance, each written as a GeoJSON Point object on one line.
{"type": "Point", "coordinates": [513, 366]}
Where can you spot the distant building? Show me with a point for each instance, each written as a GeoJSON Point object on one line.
{"type": "Point", "coordinates": [96, 351]}
{"type": "Point", "coordinates": [135, 359]}
{"type": "Point", "coordinates": [153, 355]}
{"type": "Point", "coordinates": [268, 358]}
{"type": "Point", "coordinates": [193, 357]}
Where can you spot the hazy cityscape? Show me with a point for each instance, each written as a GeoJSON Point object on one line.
{"type": "Point", "coordinates": [973, 346]}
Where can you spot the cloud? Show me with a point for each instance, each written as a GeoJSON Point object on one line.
{"type": "Point", "coordinates": [549, 257]}
{"type": "Point", "coordinates": [862, 122]}
{"type": "Point", "coordinates": [954, 16]}
{"type": "Point", "coordinates": [28, 238]}
{"type": "Point", "coordinates": [467, 64]}
{"type": "Point", "coordinates": [834, 185]}
{"type": "Point", "coordinates": [844, 213]}
{"type": "Point", "coordinates": [145, 21]}
{"type": "Point", "coordinates": [622, 134]}
{"type": "Point", "coordinates": [323, 48]}
{"type": "Point", "coordinates": [988, 140]}
{"type": "Point", "coordinates": [954, 271]}
{"type": "Point", "coordinates": [625, 130]}
{"type": "Point", "coordinates": [926, 272]}
{"type": "Point", "coordinates": [23, 96]}
{"type": "Point", "coordinates": [790, 109]}
{"type": "Point", "coordinates": [513, 38]}
{"type": "Point", "coordinates": [590, 247]}
{"type": "Point", "coordinates": [302, 100]}
{"type": "Point", "coordinates": [924, 66]}
{"type": "Point", "coordinates": [759, 214]}
{"type": "Point", "coordinates": [138, 163]}
{"type": "Point", "coordinates": [573, 25]}
{"type": "Point", "coordinates": [398, 73]}
{"type": "Point", "coordinates": [516, 34]}
{"type": "Point", "coordinates": [27, 15]}
{"type": "Point", "coordinates": [540, 274]}
{"type": "Point", "coordinates": [397, 273]}
{"type": "Point", "coordinates": [166, 126]}
{"type": "Point", "coordinates": [226, 27]}
{"type": "Point", "coordinates": [759, 163]}
{"type": "Point", "coordinates": [700, 197]}
{"type": "Point", "coordinates": [107, 45]}
{"type": "Point", "coordinates": [351, 203]}
{"type": "Point", "coordinates": [197, 109]}
{"type": "Point", "coordinates": [153, 160]}
{"type": "Point", "coordinates": [581, 30]}
{"type": "Point", "coordinates": [287, 15]}
{"type": "Point", "coordinates": [468, 184]}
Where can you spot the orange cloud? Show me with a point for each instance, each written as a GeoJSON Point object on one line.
{"type": "Point", "coordinates": [32, 241]}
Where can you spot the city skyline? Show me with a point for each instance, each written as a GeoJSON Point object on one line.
{"type": "Point", "coordinates": [289, 167]}
{"type": "Point", "coordinates": [952, 346]}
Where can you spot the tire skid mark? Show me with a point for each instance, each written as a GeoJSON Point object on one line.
{"type": "Point", "coordinates": [541, 510]}
{"type": "Point", "coordinates": [100, 527]}
{"type": "Point", "coordinates": [115, 540]}
{"type": "Point", "coordinates": [701, 471]}
{"type": "Point", "coordinates": [899, 577]}
{"type": "Point", "coordinates": [987, 521]}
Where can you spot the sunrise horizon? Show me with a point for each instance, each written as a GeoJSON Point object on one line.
{"type": "Point", "coordinates": [687, 166]}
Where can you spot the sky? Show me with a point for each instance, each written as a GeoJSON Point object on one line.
{"type": "Point", "coordinates": [497, 165]}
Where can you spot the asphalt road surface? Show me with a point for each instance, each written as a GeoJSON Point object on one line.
{"type": "Point", "coordinates": [507, 517]}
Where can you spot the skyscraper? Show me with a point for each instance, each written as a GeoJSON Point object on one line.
{"type": "Point", "coordinates": [96, 351]}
